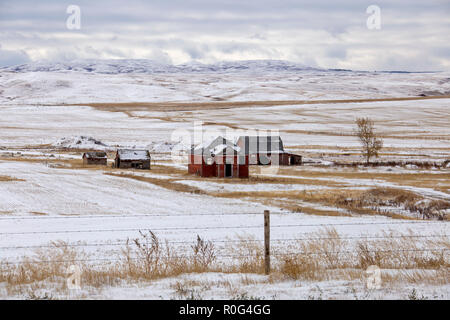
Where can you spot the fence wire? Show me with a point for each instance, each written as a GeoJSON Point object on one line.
{"type": "Point", "coordinates": [214, 241]}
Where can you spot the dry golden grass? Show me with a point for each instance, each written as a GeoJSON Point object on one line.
{"type": "Point", "coordinates": [168, 170]}
{"type": "Point", "coordinates": [414, 179]}
{"type": "Point", "coordinates": [78, 164]}
{"type": "Point", "coordinates": [356, 202]}
{"type": "Point", "coordinates": [350, 156]}
{"type": "Point", "coordinates": [389, 151]}
{"type": "Point", "coordinates": [224, 124]}
{"type": "Point", "coordinates": [329, 251]}
{"type": "Point", "coordinates": [370, 201]}
{"type": "Point", "coordinates": [294, 205]}
{"type": "Point", "coordinates": [64, 162]}
{"type": "Point", "coordinates": [165, 183]}
{"type": "Point", "coordinates": [255, 179]}
{"type": "Point", "coordinates": [311, 202]}
{"type": "Point", "coordinates": [45, 146]}
{"type": "Point", "coordinates": [9, 178]}
{"type": "Point", "coordinates": [37, 213]}
{"type": "Point", "coordinates": [332, 172]}
{"type": "Point", "coordinates": [171, 118]}
{"type": "Point", "coordinates": [214, 105]}
{"type": "Point", "coordinates": [320, 256]}
{"type": "Point", "coordinates": [384, 135]}
{"type": "Point", "coordinates": [359, 202]}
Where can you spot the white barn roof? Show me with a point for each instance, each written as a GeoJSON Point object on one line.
{"type": "Point", "coordinates": [215, 146]}
{"type": "Point", "coordinates": [133, 154]}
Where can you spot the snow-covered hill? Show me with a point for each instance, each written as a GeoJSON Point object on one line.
{"type": "Point", "coordinates": [149, 66]}
{"type": "Point", "coordinates": [85, 81]}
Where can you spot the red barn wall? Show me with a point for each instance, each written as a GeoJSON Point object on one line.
{"type": "Point", "coordinates": [198, 166]}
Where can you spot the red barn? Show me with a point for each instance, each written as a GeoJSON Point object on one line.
{"type": "Point", "coordinates": [219, 158]}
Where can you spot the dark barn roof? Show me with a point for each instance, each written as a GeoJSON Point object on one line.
{"type": "Point", "coordinates": [261, 144]}
{"type": "Point", "coordinates": [95, 155]}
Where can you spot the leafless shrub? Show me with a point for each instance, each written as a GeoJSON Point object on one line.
{"type": "Point", "coordinates": [371, 143]}
{"type": "Point", "coordinates": [446, 164]}
{"type": "Point", "coordinates": [203, 253]}
{"type": "Point", "coordinates": [433, 209]}
{"type": "Point", "coordinates": [147, 257]}
{"type": "Point", "coordinates": [148, 252]}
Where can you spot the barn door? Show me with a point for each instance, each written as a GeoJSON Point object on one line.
{"type": "Point", "coordinates": [228, 170]}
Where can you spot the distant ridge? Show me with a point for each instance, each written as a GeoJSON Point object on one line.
{"type": "Point", "coordinates": [149, 66]}
{"type": "Point", "coordinates": [123, 66]}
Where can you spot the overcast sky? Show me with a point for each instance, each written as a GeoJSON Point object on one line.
{"type": "Point", "coordinates": [414, 34]}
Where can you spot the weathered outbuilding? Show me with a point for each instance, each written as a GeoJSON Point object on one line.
{"type": "Point", "coordinates": [267, 150]}
{"type": "Point", "coordinates": [218, 158]}
{"type": "Point", "coordinates": [132, 158]}
{"type": "Point", "coordinates": [95, 158]}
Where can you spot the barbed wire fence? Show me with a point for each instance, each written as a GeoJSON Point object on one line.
{"type": "Point", "coordinates": [263, 225]}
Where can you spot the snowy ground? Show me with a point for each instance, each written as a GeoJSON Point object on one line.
{"type": "Point", "coordinates": [209, 286]}
{"type": "Point", "coordinates": [46, 196]}
{"type": "Point", "coordinates": [418, 127]}
{"type": "Point", "coordinates": [250, 286]}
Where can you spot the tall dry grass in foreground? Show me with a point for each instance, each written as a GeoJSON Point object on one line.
{"type": "Point", "coordinates": [324, 255]}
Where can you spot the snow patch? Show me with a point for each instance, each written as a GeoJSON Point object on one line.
{"type": "Point", "coordinates": [80, 142]}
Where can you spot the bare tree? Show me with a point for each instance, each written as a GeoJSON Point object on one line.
{"type": "Point", "coordinates": [371, 143]}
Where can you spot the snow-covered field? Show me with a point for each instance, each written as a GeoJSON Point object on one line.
{"type": "Point", "coordinates": [47, 121]}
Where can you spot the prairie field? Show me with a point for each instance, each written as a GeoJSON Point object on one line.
{"type": "Point", "coordinates": [163, 233]}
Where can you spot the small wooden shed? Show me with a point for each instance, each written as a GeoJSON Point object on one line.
{"type": "Point", "coordinates": [132, 158]}
{"type": "Point", "coordinates": [95, 158]}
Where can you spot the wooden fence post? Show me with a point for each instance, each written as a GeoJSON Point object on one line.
{"type": "Point", "coordinates": [267, 241]}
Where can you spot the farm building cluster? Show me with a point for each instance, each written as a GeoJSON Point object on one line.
{"type": "Point", "coordinates": [125, 158]}
{"type": "Point", "coordinates": [217, 158]}
{"type": "Point", "coordinates": [224, 159]}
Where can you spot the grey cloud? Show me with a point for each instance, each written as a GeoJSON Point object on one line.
{"type": "Point", "coordinates": [323, 33]}
{"type": "Point", "coordinates": [11, 58]}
